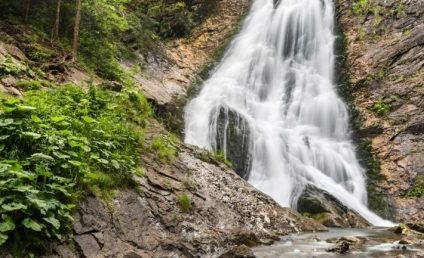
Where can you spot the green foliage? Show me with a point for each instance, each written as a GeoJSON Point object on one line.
{"type": "Point", "coordinates": [381, 108]}
{"type": "Point", "coordinates": [35, 205]}
{"type": "Point", "coordinates": [418, 190]}
{"type": "Point", "coordinates": [165, 147]}
{"type": "Point", "coordinates": [361, 7]}
{"type": "Point", "coordinates": [38, 53]}
{"type": "Point", "coordinates": [8, 67]}
{"type": "Point", "coordinates": [55, 146]}
{"type": "Point", "coordinates": [184, 202]}
{"type": "Point", "coordinates": [220, 156]}
{"type": "Point", "coordinates": [32, 84]}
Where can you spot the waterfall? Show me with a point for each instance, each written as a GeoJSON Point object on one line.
{"type": "Point", "coordinates": [277, 77]}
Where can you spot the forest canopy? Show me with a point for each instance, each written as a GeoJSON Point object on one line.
{"type": "Point", "coordinates": [100, 32]}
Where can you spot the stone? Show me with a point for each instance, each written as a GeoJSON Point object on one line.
{"type": "Point", "coordinates": [340, 248]}
{"type": "Point", "coordinates": [233, 130]}
{"type": "Point", "coordinates": [9, 81]}
{"type": "Point", "coordinates": [328, 210]}
{"type": "Point", "coordinates": [240, 251]}
{"type": "Point", "coordinates": [13, 91]}
{"type": "Point", "coordinates": [87, 245]}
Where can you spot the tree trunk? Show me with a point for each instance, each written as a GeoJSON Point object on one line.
{"type": "Point", "coordinates": [55, 30]}
{"type": "Point", "coordinates": [76, 31]}
{"type": "Point", "coordinates": [27, 5]}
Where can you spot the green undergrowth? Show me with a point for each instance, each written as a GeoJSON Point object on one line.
{"type": "Point", "coordinates": [220, 156]}
{"type": "Point", "coordinates": [57, 146]}
{"type": "Point", "coordinates": [418, 189]}
{"type": "Point", "coordinates": [184, 202]}
{"type": "Point", "coordinates": [165, 147]}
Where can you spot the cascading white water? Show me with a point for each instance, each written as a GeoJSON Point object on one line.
{"type": "Point", "coordinates": [278, 77]}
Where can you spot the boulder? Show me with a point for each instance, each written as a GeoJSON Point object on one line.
{"type": "Point", "coordinates": [233, 132]}
{"type": "Point", "coordinates": [329, 211]}
{"type": "Point", "coordinates": [341, 248]}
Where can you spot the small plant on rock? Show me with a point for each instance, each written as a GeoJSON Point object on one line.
{"type": "Point", "coordinates": [185, 203]}
{"type": "Point", "coordinates": [381, 108]}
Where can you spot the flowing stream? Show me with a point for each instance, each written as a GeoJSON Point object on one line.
{"type": "Point", "coordinates": [277, 76]}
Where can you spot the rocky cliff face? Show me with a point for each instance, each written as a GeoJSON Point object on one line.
{"type": "Point", "coordinates": [185, 208]}
{"type": "Point", "coordinates": [170, 70]}
{"type": "Point", "coordinates": [385, 61]}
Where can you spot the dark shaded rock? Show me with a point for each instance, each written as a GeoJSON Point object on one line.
{"type": "Point", "coordinates": [233, 135]}
{"type": "Point", "coordinates": [419, 227]}
{"type": "Point", "coordinates": [329, 211]}
{"type": "Point", "coordinates": [240, 251]}
{"type": "Point", "coordinates": [340, 248]}
{"type": "Point", "coordinates": [112, 85]}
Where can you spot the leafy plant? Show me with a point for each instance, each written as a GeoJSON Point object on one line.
{"type": "Point", "coordinates": [185, 203]}
{"type": "Point", "coordinates": [220, 156]}
{"type": "Point", "coordinates": [8, 67]}
{"type": "Point", "coordinates": [57, 145]}
{"type": "Point", "coordinates": [361, 7]}
{"type": "Point", "coordinates": [165, 147]}
{"type": "Point", "coordinates": [381, 108]}
{"type": "Point", "coordinates": [418, 190]}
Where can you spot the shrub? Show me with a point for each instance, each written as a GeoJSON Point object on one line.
{"type": "Point", "coordinates": [381, 108]}
{"type": "Point", "coordinates": [8, 67]}
{"type": "Point", "coordinates": [418, 190]}
{"type": "Point", "coordinates": [220, 156]}
{"type": "Point", "coordinates": [57, 145]}
{"type": "Point", "coordinates": [185, 203]}
{"type": "Point", "coordinates": [165, 147]}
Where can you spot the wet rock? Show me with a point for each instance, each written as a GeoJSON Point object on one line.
{"type": "Point", "coordinates": [340, 248]}
{"type": "Point", "coordinates": [326, 209]}
{"type": "Point", "coordinates": [419, 227]}
{"type": "Point", "coordinates": [233, 134]}
{"type": "Point", "coordinates": [240, 251]}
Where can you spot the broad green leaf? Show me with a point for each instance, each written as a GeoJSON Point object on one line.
{"type": "Point", "coordinates": [41, 156]}
{"type": "Point", "coordinates": [32, 134]}
{"type": "Point", "coordinates": [36, 119]}
{"type": "Point", "coordinates": [3, 238]}
{"type": "Point", "coordinates": [26, 108]}
{"type": "Point", "coordinates": [86, 148]}
{"type": "Point", "coordinates": [115, 164]}
{"type": "Point", "coordinates": [58, 119]}
{"type": "Point", "coordinates": [60, 155]}
{"type": "Point", "coordinates": [88, 119]}
{"type": "Point", "coordinates": [6, 122]}
{"type": "Point", "coordinates": [2, 147]}
{"type": "Point", "coordinates": [73, 143]}
{"type": "Point", "coordinates": [54, 222]}
{"type": "Point", "coordinates": [32, 224]}
{"type": "Point", "coordinates": [103, 161]}
{"type": "Point", "coordinates": [4, 137]}
{"type": "Point", "coordinates": [13, 206]}
{"type": "Point", "coordinates": [7, 225]}
{"type": "Point", "coordinates": [76, 163]}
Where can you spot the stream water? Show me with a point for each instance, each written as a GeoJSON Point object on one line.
{"type": "Point", "coordinates": [277, 76]}
{"type": "Point", "coordinates": [376, 242]}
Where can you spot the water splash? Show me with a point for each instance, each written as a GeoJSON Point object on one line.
{"type": "Point", "coordinates": [277, 76]}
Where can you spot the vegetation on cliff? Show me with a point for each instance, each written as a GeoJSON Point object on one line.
{"type": "Point", "coordinates": [61, 142]}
